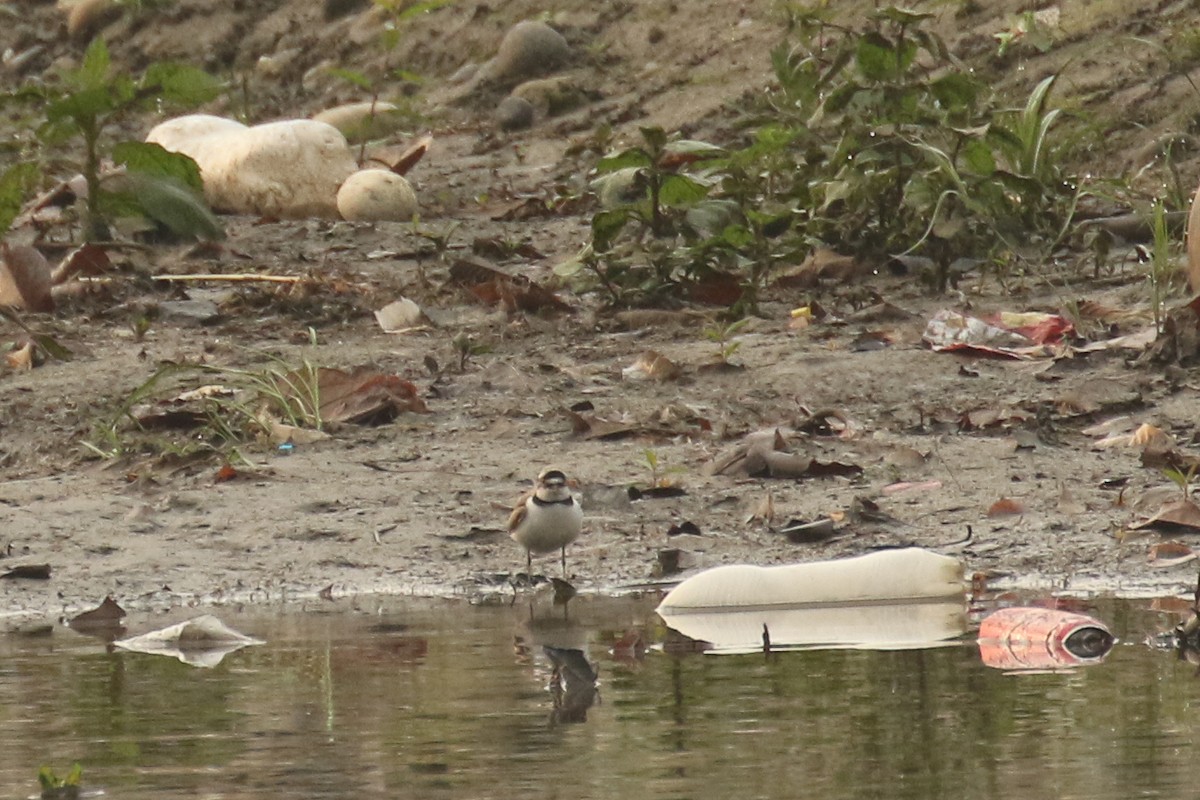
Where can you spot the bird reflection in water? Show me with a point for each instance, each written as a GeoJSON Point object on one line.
{"type": "Point", "coordinates": [572, 685]}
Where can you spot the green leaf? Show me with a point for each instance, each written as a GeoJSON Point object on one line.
{"type": "Point", "coordinates": [153, 159]}
{"type": "Point", "coordinates": [417, 9]}
{"type": "Point", "coordinates": [737, 236]}
{"type": "Point", "coordinates": [681, 190]}
{"type": "Point", "coordinates": [606, 225]}
{"type": "Point", "coordinates": [93, 70]}
{"type": "Point", "coordinates": [903, 16]}
{"type": "Point", "coordinates": [633, 157]}
{"type": "Point", "coordinates": [878, 59]}
{"type": "Point", "coordinates": [978, 157]}
{"type": "Point", "coordinates": [15, 182]}
{"type": "Point", "coordinates": [656, 137]}
{"type": "Point", "coordinates": [170, 202]}
{"type": "Point", "coordinates": [956, 91]}
{"type": "Point", "coordinates": [692, 147]}
{"type": "Point", "coordinates": [51, 347]}
{"type": "Point", "coordinates": [711, 216]}
{"type": "Point", "coordinates": [81, 107]}
{"type": "Point", "coordinates": [840, 97]}
{"type": "Point", "coordinates": [352, 76]}
{"type": "Point", "coordinates": [181, 84]}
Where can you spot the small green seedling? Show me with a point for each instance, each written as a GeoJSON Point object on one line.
{"type": "Point", "coordinates": [722, 336]}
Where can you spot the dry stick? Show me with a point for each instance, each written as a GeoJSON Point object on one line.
{"type": "Point", "coordinates": [241, 278]}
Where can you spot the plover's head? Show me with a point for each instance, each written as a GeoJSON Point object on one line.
{"type": "Point", "coordinates": [552, 479]}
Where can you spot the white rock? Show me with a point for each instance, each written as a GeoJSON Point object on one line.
{"type": "Point", "coordinates": [360, 122]}
{"type": "Point", "coordinates": [376, 194]}
{"type": "Point", "coordinates": [291, 168]}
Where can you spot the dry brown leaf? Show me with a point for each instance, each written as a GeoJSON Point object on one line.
{"type": "Point", "coordinates": [511, 292]}
{"type": "Point", "coordinates": [88, 259]}
{"type": "Point", "coordinates": [1182, 513]}
{"type": "Point", "coordinates": [107, 614]}
{"type": "Point", "coordinates": [652, 365]}
{"type": "Point", "coordinates": [1148, 435]}
{"type": "Point", "coordinates": [822, 264]}
{"type": "Point", "coordinates": [24, 278]}
{"type": "Point", "coordinates": [411, 155]}
{"type": "Point", "coordinates": [1170, 554]}
{"type": "Point", "coordinates": [363, 395]}
{"type": "Point", "coordinates": [1005, 507]}
{"type": "Point", "coordinates": [22, 359]}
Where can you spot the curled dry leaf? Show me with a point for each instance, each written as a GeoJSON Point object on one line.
{"type": "Point", "coordinates": [411, 155]}
{"type": "Point", "coordinates": [1170, 554]}
{"type": "Point", "coordinates": [25, 278]}
{"type": "Point", "coordinates": [652, 366]}
{"type": "Point", "coordinates": [22, 359]}
{"type": "Point", "coordinates": [88, 259]}
{"type": "Point", "coordinates": [402, 316]}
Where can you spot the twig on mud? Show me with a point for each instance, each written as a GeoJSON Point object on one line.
{"type": "Point", "coordinates": [240, 278]}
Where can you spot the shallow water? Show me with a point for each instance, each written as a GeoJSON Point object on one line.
{"type": "Point", "coordinates": [439, 699]}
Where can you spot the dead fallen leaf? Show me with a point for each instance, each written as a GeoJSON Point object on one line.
{"type": "Point", "coordinates": [714, 289]}
{"type": "Point", "coordinates": [1170, 554]}
{"type": "Point", "coordinates": [106, 615]}
{"type": "Point", "coordinates": [411, 155]}
{"type": "Point", "coordinates": [513, 293]}
{"type": "Point", "coordinates": [802, 532]}
{"type": "Point", "coordinates": [1005, 507]}
{"type": "Point", "coordinates": [23, 358]}
{"type": "Point", "coordinates": [33, 572]}
{"type": "Point", "coordinates": [24, 278]}
{"type": "Point", "coordinates": [363, 396]}
{"type": "Point", "coordinates": [1180, 513]}
{"type": "Point", "coordinates": [88, 259]}
{"type": "Point", "coordinates": [227, 472]}
{"type": "Point", "coordinates": [402, 316]}
{"type": "Point", "coordinates": [653, 366]}
{"type": "Point", "coordinates": [822, 264]}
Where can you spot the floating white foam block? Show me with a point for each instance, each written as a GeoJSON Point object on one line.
{"type": "Point", "coordinates": [290, 169]}
{"type": "Point", "coordinates": [886, 575]}
{"type": "Point", "coordinates": [875, 626]}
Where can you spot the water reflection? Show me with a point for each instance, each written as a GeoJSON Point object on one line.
{"type": "Point", "coordinates": [440, 699]}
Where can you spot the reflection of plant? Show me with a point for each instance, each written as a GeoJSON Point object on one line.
{"type": "Point", "coordinates": [56, 788]}
{"type": "Point", "coordinates": [158, 185]}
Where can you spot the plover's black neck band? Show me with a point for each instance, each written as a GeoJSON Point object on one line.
{"type": "Point", "coordinates": [566, 501]}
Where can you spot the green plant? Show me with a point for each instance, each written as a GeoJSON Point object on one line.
{"type": "Point", "coordinates": [1160, 266]}
{"type": "Point", "coordinates": [242, 408]}
{"type": "Point", "coordinates": [722, 336]}
{"type": "Point", "coordinates": [157, 185]}
{"type": "Point", "coordinates": [1182, 479]}
{"type": "Point", "coordinates": [646, 239]}
{"type": "Point", "coordinates": [56, 788]}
